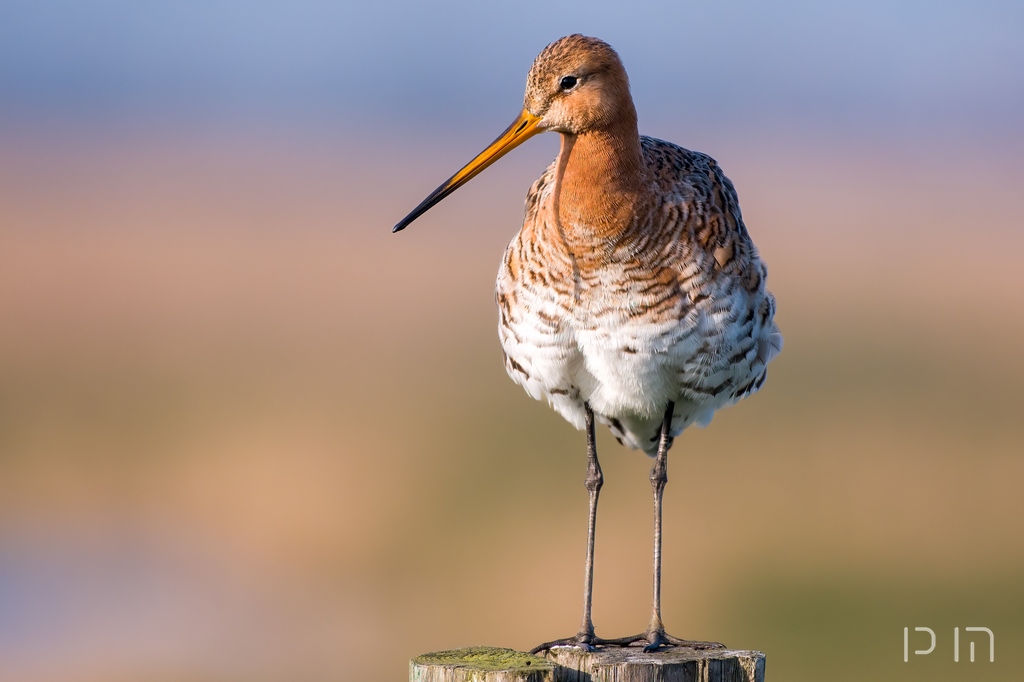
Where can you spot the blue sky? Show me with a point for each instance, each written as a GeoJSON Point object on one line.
{"type": "Point", "coordinates": [951, 65]}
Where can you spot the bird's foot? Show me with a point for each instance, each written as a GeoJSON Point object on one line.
{"type": "Point", "coordinates": [654, 639]}
{"type": "Point", "coordinates": [584, 640]}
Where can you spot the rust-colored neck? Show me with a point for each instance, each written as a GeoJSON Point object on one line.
{"type": "Point", "coordinates": [602, 183]}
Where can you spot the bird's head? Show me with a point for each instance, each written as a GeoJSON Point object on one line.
{"type": "Point", "coordinates": [576, 84]}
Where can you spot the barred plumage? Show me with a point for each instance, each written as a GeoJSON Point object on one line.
{"type": "Point", "coordinates": [633, 294]}
{"type": "Point", "coordinates": [676, 310]}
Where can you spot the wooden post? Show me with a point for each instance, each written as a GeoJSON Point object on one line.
{"type": "Point", "coordinates": [480, 664]}
{"type": "Point", "coordinates": [565, 664]}
{"type": "Point", "coordinates": [678, 664]}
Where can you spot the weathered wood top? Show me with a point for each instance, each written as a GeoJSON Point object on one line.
{"type": "Point", "coordinates": [673, 664]}
{"type": "Point", "coordinates": [480, 664]}
{"type": "Point", "coordinates": [565, 664]}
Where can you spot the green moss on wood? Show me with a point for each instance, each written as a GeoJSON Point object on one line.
{"type": "Point", "coordinates": [485, 658]}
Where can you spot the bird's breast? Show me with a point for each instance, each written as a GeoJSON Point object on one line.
{"type": "Point", "coordinates": [609, 335]}
{"type": "Point", "coordinates": [671, 307]}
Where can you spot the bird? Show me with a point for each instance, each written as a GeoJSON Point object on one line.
{"type": "Point", "coordinates": [633, 295]}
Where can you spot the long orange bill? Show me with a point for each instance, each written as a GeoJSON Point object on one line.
{"type": "Point", "coordinates": [522, 129]}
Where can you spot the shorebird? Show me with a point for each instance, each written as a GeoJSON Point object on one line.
{"type": "Point", "coordinates": [633, 295]}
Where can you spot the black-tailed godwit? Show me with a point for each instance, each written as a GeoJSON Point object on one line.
{"type": "Point", "coordinates": [633, 293]}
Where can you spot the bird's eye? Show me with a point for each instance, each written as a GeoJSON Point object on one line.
{"type": "Point", "coordinates": [568, 82]}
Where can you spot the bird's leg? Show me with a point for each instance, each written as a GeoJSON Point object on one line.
{"type": "Point", "coordinates": [585, 638]}
{"type": "Point", "coordinates": [655, 636]}
{"type": "Point", "coordinates": [659, 477]}
{"type": "Point", "coordinates": [593, 483]}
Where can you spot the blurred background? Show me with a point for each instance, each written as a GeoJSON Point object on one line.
{"type": "Point", "coordinates": [248, 434]}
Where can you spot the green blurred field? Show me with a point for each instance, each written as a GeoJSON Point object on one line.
{"type": "Point", "coordinates": [246, 433]}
